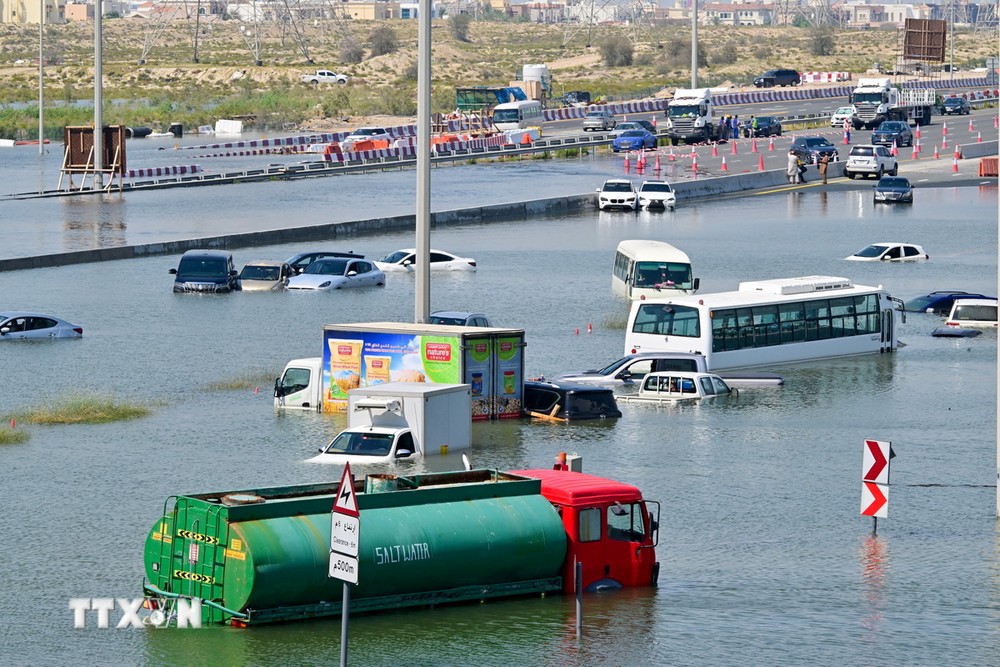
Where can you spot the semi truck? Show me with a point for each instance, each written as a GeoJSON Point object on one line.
{"type": "Point", "coordinates": [401, 421]}
{"type": "Point", "coordinates": [260, 555]}
{"type": "Point", "coordinates": [489, 359]}
{"type": "Point", "coordinates": [690, 116]}
{"type": "Point", "coordinates": [877, 100]}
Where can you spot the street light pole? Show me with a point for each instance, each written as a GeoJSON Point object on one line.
{"type": "Point", "coordinates": [422, 294]}
{"type": "Point", "coordinates": [41, 77]}
{"type": "Point", "coordinates": [98, 97]}
{"type": "Point", "coordinates": [694, 43]}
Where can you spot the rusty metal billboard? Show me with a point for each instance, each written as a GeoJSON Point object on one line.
{"type": "Point", "coordinates": [924, 40]}
{"type": "Point", "coordinates": [79, 143]}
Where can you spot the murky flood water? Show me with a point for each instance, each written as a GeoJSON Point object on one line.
{"type": "Point", "coordinates": [765, 559]}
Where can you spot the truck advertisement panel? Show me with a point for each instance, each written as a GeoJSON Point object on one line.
{"type": "Point", "coordinates": [492, 364]}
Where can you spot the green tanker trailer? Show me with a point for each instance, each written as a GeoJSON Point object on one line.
{"type": "Point", "coordinates": [262, 555]}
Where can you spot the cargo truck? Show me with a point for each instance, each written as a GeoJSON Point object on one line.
{"type": "Point", "coordinates": [262, 555]}
{"type": "Point", "coordinates": [876, 100]}
{"type": "Point", "coordinates": [489, 359]}
{"type": "Point", "coordinates": [690, 116]}
{"type": "Point", "coordinates": [401, 421]}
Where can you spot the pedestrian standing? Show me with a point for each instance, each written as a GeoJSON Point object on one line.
{"type": "Point", "coordinates": [793, 167]}
{"type": "Point", "coordinates": [724, 127]}
{"type": "Point", "coordinates": [734, 126]}
{"type": "Point", "coordinates": [847, 130]}
{"type": "Point", "coordinates": [824, 161]}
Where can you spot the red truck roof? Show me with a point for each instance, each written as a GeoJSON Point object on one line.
{"type": "Point", "coordinates": [562, 487]}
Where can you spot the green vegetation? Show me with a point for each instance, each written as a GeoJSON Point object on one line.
{"type": "Point", "coordinates": [249, 380]}
{"type": "Point", "coordinates": [12, 436]}
{"type": "Point", "coordinates": [82, 409]}
{"type": "Point", "coordinates": [617, 51]}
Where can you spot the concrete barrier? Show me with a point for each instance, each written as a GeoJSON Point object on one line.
{"type": "Point", "coordinates": [967, 151]}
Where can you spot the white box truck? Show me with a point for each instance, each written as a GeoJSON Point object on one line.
{"type": "Point", "coordinates": [690, 118]}
{"type": "Point", "coordinates": [877, 100]}
{"type": "Point", "coordinates": [401, 421]}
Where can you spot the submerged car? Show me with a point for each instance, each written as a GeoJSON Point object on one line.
{"type": "Point", "coordinates": [205, 271]}
{"type": "Point", "coordinates": [458, 318]}
{"type": "Point", "coordinates": [617, 193]}
{"type": "Point", "coordinates": [891, 132]}
{"type": "Point", "coordinates": [893, 189]}
{"type": "Point", "coordinates": [977, 313]}
{"type": "Point", "coordinates": [955, 105]}
{"type": "Point", "coordinates": [299, 261]}
{"type": "Point", "coordinates": [656, 194]}
{"type": "Point", "coordinates": [634, 140]}
{"type": "Point", "coordinates": [405, 259]}
{"type": "Point", "coordinates": [18, 325]}
{"type": "Point", "coordinates": [263, 275]}
{"type": "Point", "coordinates": [338, 273]}
{"type": "Point", "coordinates": [810, 149]}
{"type": "Point", "coordinates": [940, 301]}
{"type": "Point", "coordinates": [889, 252]}
{"type": "Point", "coordinates": [567, 401]}
{"type": "Point", "coordinates": [674, 386]}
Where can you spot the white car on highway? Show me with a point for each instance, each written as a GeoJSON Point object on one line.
{"type": "Point", "coordinates": [657, 194]}
{"type": "Point", "coordinates": [838, 117]}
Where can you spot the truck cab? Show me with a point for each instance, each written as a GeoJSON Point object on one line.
{"type": "Point", "coordinates": [300, 385]}
{"type": "Point", "coordinates": [689, 116]}
{"type": "Point", "coordinates": [611, 530]}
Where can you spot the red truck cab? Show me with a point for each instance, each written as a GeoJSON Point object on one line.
{"type": "Point", "coordinates": [609, 528]}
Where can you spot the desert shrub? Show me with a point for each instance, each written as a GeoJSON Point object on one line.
{"type": "Point", "coordinates": [726, 55]}
{"type": "Point", "coordinates": [351, 51]}
{"type": "Point", "coordinates": [459, 24]}
{"type": "Point", "coordinates": [762, 52]}
{"type": "Point", "coordinates": [410, 71]}
{"type": "Point", "coordinates": [644, 59]}
{"type": "Point", "coordinates": [616, 51]}
{"type": "Point", "coordinates": [383, 40]}
{"type": "Point", "coordinates": [822, 42]}
{"type": "Point", "coordinates": [678, 53]}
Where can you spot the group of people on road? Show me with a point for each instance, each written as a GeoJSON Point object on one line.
{"type": "Point", "coordinates": [796, 168]}
{"type": "Point", "coordinates": [729, 127]}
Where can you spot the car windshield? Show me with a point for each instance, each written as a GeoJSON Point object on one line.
{"type": "Point", "coordinates": [633, 133]}
{"type": "Point", "coordinates": [817, 142]}
{"type": "Point", "coordinates": [890, 126]}
{"type": "Point", "coordinates": [595, 114]}
{"type": "Point", "coordinates": [894, 183]}
{"type": "Point", "coordinates": [202, 267]}
{"type": "Point", "coordinates": [590, 404]}
{"type": "Point", "coordinates": [871, 251]}
{"type": "Point", "coordinates": [327, 267]}
{"type": "Point", "coordinates": [451, 321]}
{"type": "Point", "coordinates": [613, 186]}
{"type": "Point", "coordinates": [259, 273]}
{"type": "Point", "coordinates": [921, 303]}
{"type": "Point", "coordinates": [394, 257]}
{"type": "Point", "coordinates": [368, 131]}
{"type": "Point", "coordinates": [845, 110]}
{"type": "Point", "coordinates": [656, 187]}
{"type": "Point", "coordinates": [361, 444]}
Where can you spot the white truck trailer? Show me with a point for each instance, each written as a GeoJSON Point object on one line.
{"type": "Point", "coordinates": [877, 100]}
{"type": "Point", "coordinates": [690, 116]}
{"type": "Point", "coordinates": [401, 421]}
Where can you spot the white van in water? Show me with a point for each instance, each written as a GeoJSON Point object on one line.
{"type": "Point", "coordinates": [978, 313]}
{"type": "Point", "coordinates": [517, 115]}
{"type": "Point", "coordinates": [651, 269]}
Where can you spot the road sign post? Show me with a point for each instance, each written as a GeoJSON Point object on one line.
{"type": "Point", "coordinates": [875, 480]}
{"type": "Point", "coordinates": [345, 538]}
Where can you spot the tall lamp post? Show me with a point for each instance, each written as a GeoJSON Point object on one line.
{"type": "Point", "coordinates": [98, 97]}
{"type": "Point", "coordinates": [41, 75]}
{"type": "Point", "coordinates": [422, 294]}
{"type": "Point", "coordinates": [694, 43]}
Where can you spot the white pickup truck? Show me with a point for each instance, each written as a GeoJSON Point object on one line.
{"type": "Point", "coordinates": [324, 76]}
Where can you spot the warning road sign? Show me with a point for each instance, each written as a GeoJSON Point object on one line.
{"type": "Point", "coordinates": [346, 501]}
{"type": "Point", "coordinates": [875, 461]}
{"type": "Point", "coordinates": [874, 500]}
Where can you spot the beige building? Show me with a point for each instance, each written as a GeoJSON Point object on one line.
{"type": "Point", "coordinates": [370, 11]}
{"type": "Point", "coordinates": [28, 11]}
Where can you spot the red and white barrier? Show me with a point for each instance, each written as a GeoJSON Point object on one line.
{"type": "Point", "coordinates": [163, 171]}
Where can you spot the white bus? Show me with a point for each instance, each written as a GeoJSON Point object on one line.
{"type": "Point", "coordinates": [768, 322]}
{"type": "Point", "coordinates": [517, 115]}
{"type": "Point", "coordinates": [651, 269]}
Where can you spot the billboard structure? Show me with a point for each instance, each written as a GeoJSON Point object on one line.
{"type": "Point", "coordinates": [924, 40]}
{"type": "Point", "coordinates": [78, 155]}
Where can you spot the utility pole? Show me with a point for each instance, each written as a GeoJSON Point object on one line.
{"type": "Point", "coordinates": [41, 77]}
{"type": "Point", "coordinates": [694, 43]}
{"type": "Point", "coordinates": [98, 96]}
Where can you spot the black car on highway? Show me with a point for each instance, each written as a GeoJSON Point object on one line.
{"type": "Point", "coordinates": [762, 126]}
{"type": "Point", "coordinates": [777, 77]}
{"type": "Point", "coordinates": [893, 131]}
{"type": "Point", "coordinates": [810, 149]}
{"type": "Point", "coordinates": [955, 105]}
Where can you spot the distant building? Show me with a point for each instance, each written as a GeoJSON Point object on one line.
{"type": "Point", "coordinates": [738, 14]}
{"type": "Point", "coordinates": [24, 12]}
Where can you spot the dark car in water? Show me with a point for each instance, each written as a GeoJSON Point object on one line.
{"type": "Point", "coordinates": [564, 401]}
{"type": "Point", "coordinates": [939, 302]}
{"type": "Point", "coordinates": [762, 126]}
{"type": "Point", "coordinates": [893, 131]}
{"type": "Point", "coordinates": [209, 271]}
{"type": "Point", "coordinates": [955, 105]}
{"type": "Point", "coordinates": [891, 189]}
{"type": "Point", "coordinates": [810, 149]}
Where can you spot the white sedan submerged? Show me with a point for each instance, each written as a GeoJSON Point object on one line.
{"type": "Point", "coordinates": [404, 260]}
{"type": "Point", "coordinates": [16, 325]}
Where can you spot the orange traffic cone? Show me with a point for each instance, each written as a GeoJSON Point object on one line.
{"type": "Point", "coordinates": [917, 135]}
{"type": "Point", "coordinates": [979, 138]}
{"type": "Point", "coordinates": [916, 151]}
{"type": "Point", "coordinates": [958, 153]}
{"type": "Point", "coordinates": [733, 151]}
{"type": "Point", "coordinates": [590, 328]}
{"type": "Point", "coordinates": [944, 143]}
{"type": "Point", "coordinates": [996, 122]}
{"type": "Point", "coordinates": [760, 163]}
{"type": "Point", "coordinates": [944, 128]}
{"type": "Point", "coordinates": [753, 145]}
{"type": "Point", "coordinates": [845, 138]}
{"type": "Point", "coordinates": [525, 139]}
{"type": "Point", "coordinates": [656, 165]}
{"type": "Point", "coordinates": [723, 167]}
{"type": "Point", "coordinates": [642, 159]}
{"type": "Point", "coordinates": [936, 156]}
{"type": "Point", "coordinates": [671, 157]}
{"type": "Point", "coordinates": [654, 122]}
{"type": "Point", "coordinates": [626, 162]}
{"type": "Point", "coordinates": [770, 144]}
{"type": "Point", "coordinates": [954, 165]}
{"type": "Point", "coordinates": [715, 149]}
{"type": "Point", "coordinates": [972, 128]}
{"type": "Point", "coordinates": [895, 151]}
{"type": "Point", "coordinates": [694, 163]}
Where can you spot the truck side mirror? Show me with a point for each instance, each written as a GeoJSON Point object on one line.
{"type": "Point", "coordinates": [172, 272]}
{"type": "Point", "coordinates": [697, 282]}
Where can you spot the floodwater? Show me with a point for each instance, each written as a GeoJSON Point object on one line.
{"type": "Point", "coordinates": [764, 557]}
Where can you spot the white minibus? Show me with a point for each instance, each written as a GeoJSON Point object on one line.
{"type": "Point", "coordinates": [517, 115]}
{"type": "Point", "coordinates": [651, 269]}
{"type": "Point", "coordinates": [768, 322]}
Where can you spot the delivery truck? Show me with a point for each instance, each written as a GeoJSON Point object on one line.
{"type": "Point", "coordinates": [489, 359]}
{"type": "Point", "coordinates": [401, 421]}
{"type": "Point", "coordinates": [262, 555]}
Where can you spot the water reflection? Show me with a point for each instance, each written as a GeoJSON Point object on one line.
{"type": "Point", "coordinates": [91, 223]}
{"type": "Point", "coordinates": [875, 567]}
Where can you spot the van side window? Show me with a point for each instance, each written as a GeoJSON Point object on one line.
{"type": "Point", "coordinates": [590, 525]}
